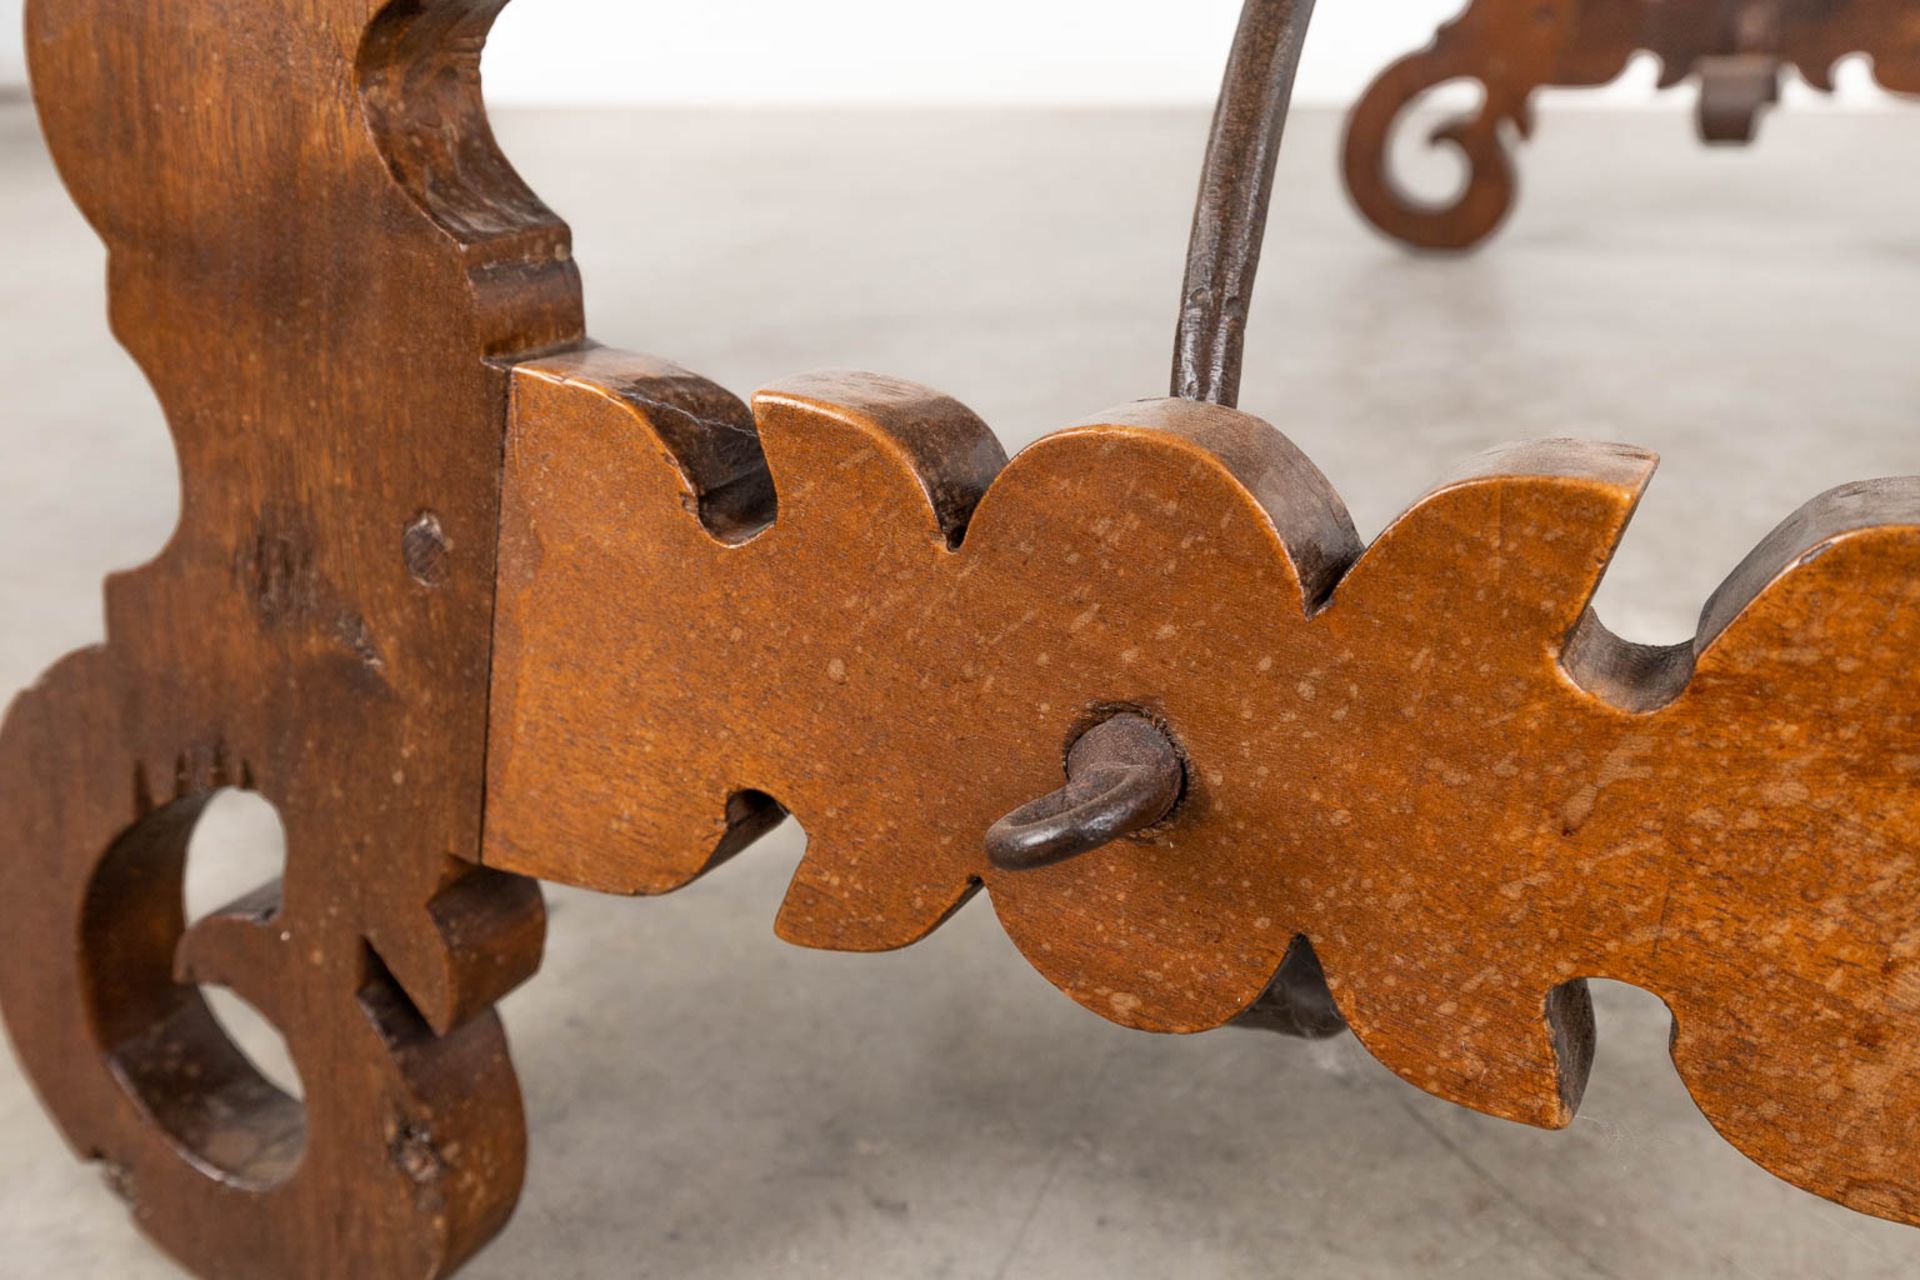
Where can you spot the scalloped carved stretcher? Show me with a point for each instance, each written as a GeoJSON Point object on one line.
{"type": "Point", "coordinates": [1420, 788]}
{"type": "Point", "coordinates": [1738, 49]}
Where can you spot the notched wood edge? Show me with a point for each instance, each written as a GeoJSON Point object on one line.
{"type": "Point", "coordinates": [951, 455]}
{"type": "Point", "coordinates": [1624, 469]}
{"type": "Point", "coordinates": [1625, 674]}
{"type": "Point", "coordinates": [1632, 677]}
{"type": "Point", "coordinates": [1641, 678]}
{"type": "Point", "coordinates": [788, 926]}
{"type": "Point", "coordinates": [1863, 508]}
{"type": "Point", "coordinates": [1616, 474]}
{"type": "Point", "coordinates": [708, 434]}
{"type": "Point", "coordinates": [1316, 534]}
{"type": "Point", "coordinates": [1546, 1095]}
{"type": "Point", "coordinates": [1297, 1002]}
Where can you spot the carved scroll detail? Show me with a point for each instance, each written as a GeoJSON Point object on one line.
{"type": "Point", "coordinates": [1424, 770]}
{"type": "Point", "coordinates": [1513, 47]}
{"type": "Point", "coordinates": [314, 291]}
{"type": "Point", "coordinates": [1430, 761]}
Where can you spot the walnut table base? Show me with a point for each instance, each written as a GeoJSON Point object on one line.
{"type": "Point", "coordinates": [475, 602]}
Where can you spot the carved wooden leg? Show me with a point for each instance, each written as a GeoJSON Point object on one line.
{"type": "Point", "coordinates": [1509, 47]}
{"type": "Point", "coordinates": [314, 254]}
{"type": "Point", "coordinates": [1513, 47]}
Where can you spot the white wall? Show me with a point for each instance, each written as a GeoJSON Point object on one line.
{"type": "Point", "coordinates": [1066, 51]}
{"type": "Point", "coordinates": [13, 67]}
{"type": "Point", "coordinates": [996, 51]}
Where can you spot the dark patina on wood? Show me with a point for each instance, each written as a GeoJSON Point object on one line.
{"type": "Point", "coordinates": [474, 601]}
{"type": "Point", "coordinates": [317, 257]}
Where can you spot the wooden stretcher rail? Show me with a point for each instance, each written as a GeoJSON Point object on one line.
{"type": "Point", "coordinates": [475, 602]}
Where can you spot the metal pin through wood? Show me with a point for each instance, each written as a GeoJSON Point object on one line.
{"type": "Point", "coordinates": [1123, 775]}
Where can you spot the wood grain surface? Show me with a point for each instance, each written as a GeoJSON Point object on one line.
{"type": "Point", "coordinates": [314, 253]}
{"type": "Point", "coordinates": [1422, 767]}
{"type": "Point", "coordinates": [1430, 761]}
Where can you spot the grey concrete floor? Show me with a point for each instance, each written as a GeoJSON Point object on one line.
{"type": "Point", "coordinates": [706, 1102]}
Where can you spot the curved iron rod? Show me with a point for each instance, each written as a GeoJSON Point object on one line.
{"type": "Point", "coordinates": [1236, 185]}
{"type": "Point", "coordinates": [1123, 775]}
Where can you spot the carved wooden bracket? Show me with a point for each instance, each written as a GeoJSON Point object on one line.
{"type": "Point", "coordinates": [1737, 49]}
{"type": "Point", "coordinates": [320, 261]}
{"type": "Point", "coordinates": [1431, 762]}
{"type": "Point", "coordinates": [1419, 785]}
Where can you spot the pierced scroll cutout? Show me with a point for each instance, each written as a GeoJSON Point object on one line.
{"type": "Point", "coordinates": [314, 253]}
{"type": "Point", "coordinates": [1428, 760]}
